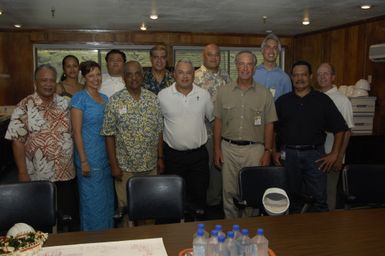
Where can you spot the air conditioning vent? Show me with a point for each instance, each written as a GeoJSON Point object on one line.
{"type": "Point", "coordinates": [377, 52]}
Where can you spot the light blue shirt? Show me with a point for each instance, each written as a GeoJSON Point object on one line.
{"type": "Point", "coordinates": [277, 81]}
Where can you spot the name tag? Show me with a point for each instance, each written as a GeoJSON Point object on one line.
{"type": "Point", "coordinates": [258, 119]}
{"type": "Point", "coordinates": [272, 90]}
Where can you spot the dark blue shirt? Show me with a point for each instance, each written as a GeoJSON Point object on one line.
{"type": "Point", "coordinates": [304, 120]}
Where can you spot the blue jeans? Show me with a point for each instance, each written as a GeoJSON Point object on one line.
{"type": "Point", "coordinates": [304, 178]}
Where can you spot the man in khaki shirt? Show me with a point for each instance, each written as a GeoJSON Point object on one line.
{"type": "Point", "coordinates": [243, 128]}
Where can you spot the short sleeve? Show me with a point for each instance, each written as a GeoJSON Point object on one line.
{"type": "Point", "coordinates": [218, 103]}
{"type": "Point", "coordinates": [78, 101]}
{"type": "Point", "coordinates": [18, 126]}
{"type": "Point", "coordinates": [270, 112]}
{"type": "Point", "coordinates": [109, 127]}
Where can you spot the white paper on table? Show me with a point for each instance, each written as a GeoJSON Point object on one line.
{"type": "Point", "coordinates": [140, 247]}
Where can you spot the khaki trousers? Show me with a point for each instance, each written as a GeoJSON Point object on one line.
{"type": "Point", "coordinates": [236, 157]}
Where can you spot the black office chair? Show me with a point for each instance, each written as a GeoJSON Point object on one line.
{"type": "Point", "coordinates": [364, 185]}
{"type": "Point", "coordinates": [155, 197]}
{"type": "Point", "coordinates": [32, 202]}
{"type": "Point", "coordinates": [253, 182]}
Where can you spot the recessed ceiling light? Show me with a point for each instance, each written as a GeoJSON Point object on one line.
{"type": "Point", "coordinates": [17, 26]}
{"type": "Point", "coordinates": [305, 21]}
{"type": "Point", "coordinates": [1, 12]}
{"type": "Point", "coordinates": [366, 6]}
{"type": "Point", "coordinates": [143, 27]}
{"type": "Point", "coordinates": [154, 16]}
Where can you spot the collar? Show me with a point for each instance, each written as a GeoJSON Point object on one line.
{"type": "Point", "coordinates": [205, 70]}
{"type": "Point", "coordinates": [262, 66]}
{"type": "Point", "coordinates": [332, 90]}
{"type": "Point", "coordinates": [175, 91]}
{"type": "Point", "coordinates": [39, 101]}
{"type": "Point", "coordinates": [235, 85]}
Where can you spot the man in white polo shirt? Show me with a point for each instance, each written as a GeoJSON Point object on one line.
{"type": "Point", "coordinates": [326, 76]}
{"type": "Point", "coordinates": [185, 107]}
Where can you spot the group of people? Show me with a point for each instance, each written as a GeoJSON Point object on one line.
{"type": "Point", "coordinates": [194, 123]}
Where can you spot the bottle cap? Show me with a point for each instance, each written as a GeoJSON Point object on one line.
{"type": "Point", "coordinates": [214, 232]}
{"type": "Point", "coordinates": [200, 232]}
{"type": "Point", "coordinates": [218, 227]}
{"type": "Point", "coordinates": [236, 227]}
{"type": "Point", "coordinates": [245, 232]}
{"type": "Point", "coordinates": [221, 239]}
{"type": "Point", "coordinates": [260, 231]}
{"type": "Point", "coordinates": [230, 234]}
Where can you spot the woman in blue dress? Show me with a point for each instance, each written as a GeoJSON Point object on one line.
{"type": "Point", "coordinates": [92, 166]}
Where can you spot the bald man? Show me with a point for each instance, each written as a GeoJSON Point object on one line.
{"type": "Point", "coordinates": [210, 77]}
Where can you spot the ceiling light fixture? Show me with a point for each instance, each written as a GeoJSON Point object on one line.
{"type": "Point", "coordinates": [264, 18]}
{"type": "Point", "coordinates": [17, 26]}
{"type": "Point", "coordinates": [143, 27]}
{"type": "Point", "coordinates": [365, 6]}
{"type": "Point", "coordinates": [306, 19]}
{"type": "Point", "coordinates": [1, 12]}
{"type": "Point", "coordinates": [154, 16]}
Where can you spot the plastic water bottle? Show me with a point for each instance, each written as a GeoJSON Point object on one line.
{"type": "Point", "coordinates": [201, 226]}
{"type": "Point", "coordinates": [218, 227]}
{"type": "Point", "coordinates": [212, 244]}
{"type": "Point", "coordinates": [261, 242]}
{"type": "Point", "coordinates": [221, 248]}
{"type": "Point", "coordinates": [237, 231]}
{"type": "Point", "coordinates": [200, 244]}
{"type": "Point", "coordinates": [231, 244]}
{"type": "Point", "coordinates": [245, 246]}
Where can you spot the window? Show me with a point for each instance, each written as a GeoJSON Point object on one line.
{"type": "Point", "coordinates": [54, 54]}
{"type": "Point", "coordinates": [194, 53]}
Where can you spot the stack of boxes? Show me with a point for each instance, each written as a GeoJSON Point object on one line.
{"type": "Point", "coordinates": [363, 115]}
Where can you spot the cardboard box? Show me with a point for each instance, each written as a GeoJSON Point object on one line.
{"type": "Point", "coordinates": [363, 104]}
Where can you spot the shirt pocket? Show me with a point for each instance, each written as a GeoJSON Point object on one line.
{"type": "Point", "coordinates": [228, 113]}
{"type": "Point", "coordinates": [255, 115]}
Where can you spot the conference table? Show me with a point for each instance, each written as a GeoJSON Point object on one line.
{"type": "Point", "coordinates": [353, 232]}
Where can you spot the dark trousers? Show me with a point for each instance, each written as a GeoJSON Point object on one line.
{"type": "Point", "coordinates": [68, 203]}
{"type": "Point", "coordinates": [193, 167]}
{"type": "Point", "coordinates": [304, 178]}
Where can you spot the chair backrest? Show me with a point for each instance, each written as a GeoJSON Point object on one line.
{"type": "Point", "coordinates": [364, 184]}
{"type": "Point", "coordinates": [155, 197]}
{"type": "Point", "coordinates": [253, 182]}
{"type": "Point", "coordinates": [32, 202]}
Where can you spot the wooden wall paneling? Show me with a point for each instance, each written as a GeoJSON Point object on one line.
{"type": "Point", "coordinates": [338, 53]}
{"type": "Point", "coordinates": [376, 35]}
{"type": "Point", "coordinates": [4, 72]}
{"type": "Point", "coordinates": [310, 49]}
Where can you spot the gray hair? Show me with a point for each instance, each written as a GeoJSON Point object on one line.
{"type": "Point", "coordinates": [274, 38]}
{"type": "Point", "coordinates": [248, 52]}
{"type": "Point", "coordinates": [185, 61]}
{"type": "Point", "coordinates": [45, 66]}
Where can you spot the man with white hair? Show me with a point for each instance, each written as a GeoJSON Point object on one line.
{"type": "Point", "coordinates": [325, 77]}
{"type": "Point", "coordinates": [268, 73]}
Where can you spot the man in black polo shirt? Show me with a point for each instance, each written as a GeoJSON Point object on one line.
{"type": "Point", "coordinates": [304, 116]}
